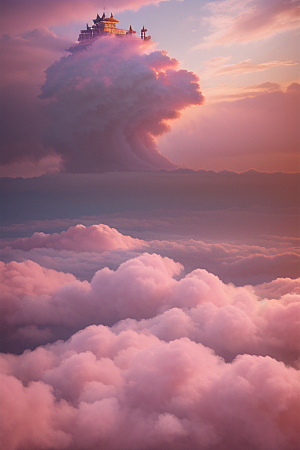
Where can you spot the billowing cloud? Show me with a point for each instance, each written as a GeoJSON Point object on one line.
{"type": "Point", "coordinates": [152, 383]}
{"type": "Point", "coordinates": [277, 288]}
{"type": "Point", "coordinates": [107, 104]}
{"type": "Point", "coordinates": [96, 238]}
{"type": "Point", "coordinates": [153, 357]}
{"type": "Point", "coordinates": [110, 101]}
{"type": "Point", "coordinates": [235, 21]}
{"type": "Point", "coordinates": [82, 250]}
{"type": "Point", "coordinates": [134, 391]}
{"type": "Point", "coordinates": [147, 293]}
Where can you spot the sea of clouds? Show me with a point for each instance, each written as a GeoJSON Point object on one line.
{"type": "Point", "coordinates": [173, 323]}
{"type": "Point", "coordinates": [146, 355]}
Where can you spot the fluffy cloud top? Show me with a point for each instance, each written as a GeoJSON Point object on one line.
{"type": "Point", "coordinates": [147, 292]}
{"type": "Point", "coordinates": [82, 250]}
{"type": "Point", "coordinates": [96, 238]}
{"type": "Point", "coordinates": [110, 101]}
{"type": "Point", "coordinates": [102, 390]}
{"type": "Point", "coordinates": [151, 383]}
{"type": "Point", "coordinates": [154, 358]}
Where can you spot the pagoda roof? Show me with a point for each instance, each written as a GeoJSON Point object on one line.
{"type": "Point", "coordinates": [112, 19]}
{"type": "Point", "coordinates": [131, 30]}
{"type": "Point", "coordinates": [98, 19]}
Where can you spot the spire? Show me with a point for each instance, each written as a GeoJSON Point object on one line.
{"type": "Point", "coordinates": [112, 19]}
{"type": "Point", "coordinates": [97, 19]}
{"type": "Point", "coordinates": [143, 34]}
{"type": "Point", "coordinates": [130, 31]}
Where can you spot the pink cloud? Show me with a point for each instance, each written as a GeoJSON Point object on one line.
{"type": "Point", "coordinates": [109, 116]}
{"type": "Point", "coordinates": [99, 125]}
{"type": "Point", "coordinates": [287, 264]}
{"type": "Point", "coordinates": [277, 288]}
{"type": "Point", "coordinates": [157, 378]}
{"type": "Point", "coordinates": [96, 238]}
{"type": "Point", "coordinates": [249, 20]}
{"type": "Point", "coordinates": [82, 250]}
{"type": "Point", "coordinates": [231, 320]}
{"type": "Point", "coordinates": [30, 278]}
{"type": "Point", "coordinates": [130, 390]}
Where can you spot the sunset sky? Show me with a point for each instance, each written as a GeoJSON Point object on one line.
{"type": "Point", "coordinates": [149, 282]}
{"type": "Point", "coordinates": [245, 53]}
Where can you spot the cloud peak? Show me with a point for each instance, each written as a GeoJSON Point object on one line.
{"type": "Point", "coordinates": [109, 102]}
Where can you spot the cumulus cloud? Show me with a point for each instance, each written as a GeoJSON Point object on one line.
{"type": "Point", "coordinates": [83, 250]}
{"type": "Point", "coordinates": [96, 238]}
{"type": "Point", "coordinates": [151, 358]}
{"type": "Point", "coordinates": [248, 20]}
{"type": "Point", "coordinates": [130, 390]}
{"type": "Point", "coordinates": [147, 293]}
{"type": "Point", "coordinates": [110, 101]}
{"type": "Point", "coordinates": [277, 288]}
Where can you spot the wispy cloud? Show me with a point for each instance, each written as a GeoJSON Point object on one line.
{"type": "Point", "coordinates": [248, 66]}
{"type": "Point", "coordinates": [243, 21]}
{"type": "Point", "coordinates": [217, 66]}
{"type": "Point", "coordinates": [267, 86]}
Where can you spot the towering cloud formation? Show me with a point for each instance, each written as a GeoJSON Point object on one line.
{"type": "Point", "coordinates": [111, 100]}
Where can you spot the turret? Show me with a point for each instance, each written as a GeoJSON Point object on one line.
{"type": "Point", "coordinates": [143, 34]}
